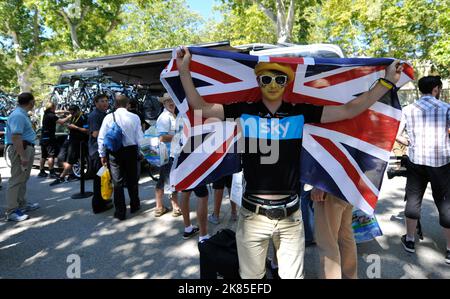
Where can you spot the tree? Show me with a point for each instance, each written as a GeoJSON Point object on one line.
{"type": "Point", "coordinates": [280, 12]}
{"type": "Point", "coordinates": [8, 77]}
{"type": "Point", "coordinates": [241, 27]}
{"type": "Point", "coordinates": [286, 17]}
{"type": "Point", "coordinates": [405, 29]}
{"type": "Point", "coordinates": [154, 25]}
{"type": "Point", "coordinates": [85, 23]}
{"type": "Point", "coordinates": [22, 32]}
{"type": "Point", "coordinates": [440, 51]}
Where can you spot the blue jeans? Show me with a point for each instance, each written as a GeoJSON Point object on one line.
{"type": "Point", "coordinates": [307, 214]}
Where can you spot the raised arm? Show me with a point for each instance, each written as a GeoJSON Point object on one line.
{"type": "Point", "coordinates": [364, 101]}
{"type": "Point", "coordinates": [400, 138]}
{"type": "Point", "coordinates": [194, 98]}
{"type": "Point", "coordinates": [62, 121]}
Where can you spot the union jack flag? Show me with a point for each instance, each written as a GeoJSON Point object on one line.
{"type": "Point", "coordinates": [346, 158]}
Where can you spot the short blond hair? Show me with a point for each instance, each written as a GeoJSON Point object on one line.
{"type": "Point", "coordinates": [50, 105]}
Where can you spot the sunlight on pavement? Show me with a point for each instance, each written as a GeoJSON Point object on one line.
{"type": "Point", "coordinates": [34, 258]}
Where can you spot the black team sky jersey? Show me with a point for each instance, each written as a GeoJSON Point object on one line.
{"type": "Point", "coordinates": [271, 158]}
{"type": "Point", "coordinates": [80, 121]}
{"type": "Point", "coordinates": [49, 126]}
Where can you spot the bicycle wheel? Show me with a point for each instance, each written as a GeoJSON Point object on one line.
{"type": "Point", "coordinates": [7, 157]}
{"type": "Point", "coordinates": [76, 169]}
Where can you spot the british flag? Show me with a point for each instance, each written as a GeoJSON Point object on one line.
{"type": "Point", "coordinates": [346, 158]}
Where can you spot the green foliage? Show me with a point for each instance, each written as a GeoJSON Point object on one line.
{"type": "Point", "coordinates": [154, 25]}
{"type": "Point", "coordinates": [440, 51]}
{"type": "Point", "coordinates": [22, 41]}
{"type": "Point", "coordinates": [92, 20]}
{"type": "Point", "coordinates": [18, 19]}
{"type": "Point", "coordinates": [241, 26]}
{"type": "Point", "coordinates": [8, 79]}
{"type": "Point", "coordinates": [245, 9]}
{"type": "Point", "coordinates": [405, 29]}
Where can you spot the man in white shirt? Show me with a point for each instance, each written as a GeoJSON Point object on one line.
{"type": "Point", "coordinates": [166, 127]}
{"type": "Point", "coordinates": [123, 163]}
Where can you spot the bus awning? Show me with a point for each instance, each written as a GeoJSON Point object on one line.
{"type": "Point", "coordinates": [135, 68]}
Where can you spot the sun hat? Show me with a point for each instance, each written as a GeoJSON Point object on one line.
{"type": "Point", "coordinates": [273, 66]}
{"type": "Point", "coordinates": [164, 98]}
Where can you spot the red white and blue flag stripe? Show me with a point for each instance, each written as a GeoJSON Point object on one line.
{"type": "Point", "coordinates": [346, 158]}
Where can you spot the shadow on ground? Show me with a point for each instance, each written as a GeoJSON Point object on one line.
{"type": "Point", "coordinates": [147, 247]}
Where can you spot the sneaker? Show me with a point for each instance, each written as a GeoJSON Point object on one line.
{"type": "Point", "coordinates": [17, 216]}
{"type": "Point", "coordinates": [54, 175]}
{"type": "Point", "coordinates": [213, 219]}
{"type": "Point", "coordinates": [447, 257]}
{"type": "Point", "coordinates": [193, 232]}
{"type": "Point", "coordinates": [71, 178]}
{"type": "Point", "coordinates": [30, 207]}
{"type": "Point", "coordinates": [408, 245]}
{"type": "Point", "coordinates": [203, 239]}
{"type": "Point", "coordinates": [42, 174]}
{"type": "Point", "coordinates": [57, 181]}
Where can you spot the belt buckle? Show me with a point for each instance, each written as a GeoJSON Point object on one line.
{"type": "Point", "coordinates": [276, 213]}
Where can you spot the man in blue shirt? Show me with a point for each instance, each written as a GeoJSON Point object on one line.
{"type": "Point", "coordinates": [21, 152]}
{"type": "Point", "coordinates": [95, 120]}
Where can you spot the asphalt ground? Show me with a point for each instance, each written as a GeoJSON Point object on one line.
{"type": "Point", "coordinates": [147, 247]}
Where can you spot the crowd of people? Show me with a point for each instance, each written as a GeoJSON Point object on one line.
{"type": "Point", "coordinates": [273, 199]}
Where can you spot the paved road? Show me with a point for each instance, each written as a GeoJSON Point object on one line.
{"type": "Point", "coordinates": [147, 247]}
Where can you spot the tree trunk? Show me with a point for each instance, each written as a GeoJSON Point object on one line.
{"type": "Point", "coordinates": [22, 76]}
{"type": "Point", "coordinates": [285, 21]}
{"type": "Point", "coordinates": [73, 25]}
{"type": "Point", "coordinates": [23, 80]}
{"type": "Point", "coordinates": [74, 36]}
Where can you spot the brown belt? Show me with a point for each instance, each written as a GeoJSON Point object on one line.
{"type": "Point", "coordinates": [26, 143]}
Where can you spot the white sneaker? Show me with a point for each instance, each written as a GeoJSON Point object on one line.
{"type": "Point", "coordinates": [30, 207]}
{"type": "Point", "coordinates": [17, 216]}
{"type": "Point", "coordinates": [213, 219]}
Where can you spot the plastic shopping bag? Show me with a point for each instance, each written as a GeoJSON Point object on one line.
{"type": "Point", "coordinates": [106, 184]}
{"type": "Point", "coordinates": [150, 149]}
{"type": "Point", "coordinates": [236, 188]}
{"type": "Point", "coordinates": [365, 227]}
{"type": "Point", "coordinates": [155, 152]}
{"type": "Point", "coordinates": [163, 154]}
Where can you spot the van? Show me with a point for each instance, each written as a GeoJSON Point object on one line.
{"type": "Point", "coordinates": [293, 50]}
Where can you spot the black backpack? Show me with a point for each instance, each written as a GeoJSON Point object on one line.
{"type": "Point", "coordinates": [218, 256]}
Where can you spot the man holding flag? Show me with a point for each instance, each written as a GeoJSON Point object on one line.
{"type": "Point", "coordinates": [270, 206]}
